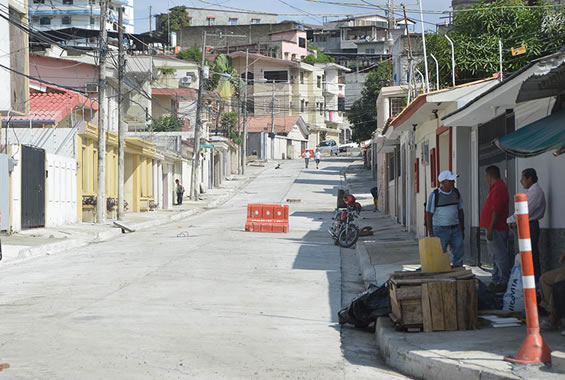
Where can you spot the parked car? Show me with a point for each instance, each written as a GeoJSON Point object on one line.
{"type": "Point", "coordinates": [328, 146]}
{"type": "Point", "coordinates": [348, 146]}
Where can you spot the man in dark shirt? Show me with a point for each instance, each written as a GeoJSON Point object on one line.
{"type": "Point", "coordinates": [493, 218]}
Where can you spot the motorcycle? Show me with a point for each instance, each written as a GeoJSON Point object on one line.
{"type": "Point", "coordinates": [344, 231]}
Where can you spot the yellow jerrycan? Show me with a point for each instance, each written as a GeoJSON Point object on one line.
{"type": "Point", "coordinates": [432, 257]}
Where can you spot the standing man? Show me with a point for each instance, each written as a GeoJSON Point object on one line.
{"type": "Point", "coordinates": [493, 218]}
{"type": "Point", "coordinates": [306, 158]}
{"type": "Point", "coordinates": [536, 211]}
{"type": "Point", "coordinates": [180, 191]}
{"type": "Point", "coordinates": [317, 157]}
{"type": "Point", "coordinates": [445, 218]}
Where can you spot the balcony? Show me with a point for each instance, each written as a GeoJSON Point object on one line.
{"type": "Point", "coordinates": [330, 88]}
{"type": "Point", "coordinates": [333, 118]}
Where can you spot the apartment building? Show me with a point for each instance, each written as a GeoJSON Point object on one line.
{"type": "Point", "coordinates": [47, 15]}
{"type": "Point", "coordinates": [214, 17]}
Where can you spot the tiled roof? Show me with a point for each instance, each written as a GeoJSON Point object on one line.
{"type": "Point", "coordinates": [54, 105]}
{"type": "Point", "coordinates": [283, 124]}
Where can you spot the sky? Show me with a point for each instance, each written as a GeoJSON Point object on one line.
{"type": "Point", "coordinates": [305, 11]}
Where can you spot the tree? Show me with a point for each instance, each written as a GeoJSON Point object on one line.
{"type": "Point", "coordinates": [179, 19]}
{"type": "Point", "coordinates": [194, 54]}
{"type": "Point", "coordinates": [167, 123]}
{"type": "Point", "coordinates": [320, 57]}
{"type": "Point", "coordinates": [475, 33]}
{"type": "Point", "coordinates": [363, 113]}
{"type": "Point", "coordinates": [229, 124]}
{"type": "Point", "coordinates": [225, 86]}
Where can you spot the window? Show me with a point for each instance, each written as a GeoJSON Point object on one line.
{"type": "Point", "coordinates": [321, 108]}
{"type": "Point", "coordinates": [395, 106]}
{"type": "Point", "coordinates": [92, 2]}
{"type": "Point", "coordinates": [341, 104]}
{"type": "Point", "coordinates": [39, 1]}
{"type": "Point", "coordinates": [92, 20]}
{"type": "Point", "coordinates": [255, 20]}
{"type": "Point", "coordinates": [302, 105]}
{"type": "Point", "coordinates": [302, 42]}
{"type": "Point", "coordinates": [211, 20]}
{"type": "Point", "coordinates": [370, 51]}
{"type": "Point", "coordinates": [66, 20]}
{"type": "Point", "coordinates": [233, 20]}
{"type": "Point", "coordinates": [293, 57]}
{"type": "Point", "coordinates": [35, 19]}
{"type": "Point", "coordinates": [45, 20]}
{"type": "Point", "coordinates": [190, 21]}
{"type": "Point", "coordinates": [67, 2]}
{"type": "Point", "coordinates": [286, 55]}
{"type": "Point", "coordinates": [250, 77]}
{"type": "Point", "coordinates": [277, 76]}
{"type": "Point", "coordinates": [319, 82]}
{"type": "Point", "coordinates": [302, 77]}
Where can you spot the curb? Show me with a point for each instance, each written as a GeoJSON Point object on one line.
{"type": "Point", "coordinates": [368, 272]}
{"type": "Point", "coordinates": [426, 364]}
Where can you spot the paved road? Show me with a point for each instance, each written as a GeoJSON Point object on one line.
{"type": "Point", "coordinates": [221, 303]}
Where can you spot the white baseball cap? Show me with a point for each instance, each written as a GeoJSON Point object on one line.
{"type": "Point", "coordinates": [447, 175]}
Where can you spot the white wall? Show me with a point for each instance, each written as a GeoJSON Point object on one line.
{"type": "Point", "coordinates": [60, 190]}
{"type": "Point", "coordinates": [15, 152]}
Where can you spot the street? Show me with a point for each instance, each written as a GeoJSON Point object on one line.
{"type": "Point", "coordinates": [199, 298]}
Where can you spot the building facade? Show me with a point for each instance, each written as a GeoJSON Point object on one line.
{"type": "Point", "coordinates": [85, 14]}
{"type": "Point", "coordinates": [213, 17]}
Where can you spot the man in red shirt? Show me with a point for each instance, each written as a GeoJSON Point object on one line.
{"type": "Point", "coordinates": [493, 218]}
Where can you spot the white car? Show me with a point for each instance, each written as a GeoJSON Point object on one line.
{"type": "Point", "coordinates": [348, 146]}
{"type": "Point", "coordinates": [328, 146]}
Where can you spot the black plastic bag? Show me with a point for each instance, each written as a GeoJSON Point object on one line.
{"type": "Point", "coordinates": [367, 307]}
{"type": "Point", "coordinates": [487, 299]}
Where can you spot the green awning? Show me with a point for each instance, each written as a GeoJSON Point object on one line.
{"type": "Point", "coordinates": [542, 136]}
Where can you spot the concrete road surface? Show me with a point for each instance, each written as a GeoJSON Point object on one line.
{"type": "Point", "coordinates": [219, 304]}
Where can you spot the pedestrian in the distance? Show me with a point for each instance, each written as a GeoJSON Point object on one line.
{"type": "Point", "coordinates": [493, 217]}
{"type": "Point", "coordinates": [536, 211]}
{"type": "Point", "coordinates": [180, 191]}
{"type": "Point", "coordinates": [306, 158]}
{"type": "Point", "coordinates": [317, 157]}
{"type": "Point", "coordinates": [445, 218]}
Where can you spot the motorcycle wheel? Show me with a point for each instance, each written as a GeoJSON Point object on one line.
{"type": "Point", "coordinates": [348, 236]}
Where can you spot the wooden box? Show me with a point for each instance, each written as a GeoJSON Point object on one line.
{"type": "Point", "coordinates": [434, 301]}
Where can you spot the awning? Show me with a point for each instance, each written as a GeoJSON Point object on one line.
{"type": "Point", "coordinates": [539, 137]}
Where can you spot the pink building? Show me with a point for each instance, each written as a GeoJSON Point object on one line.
{"type": "Point", "coordinates": [293, 44]}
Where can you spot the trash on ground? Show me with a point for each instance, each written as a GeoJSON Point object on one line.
{"type": "Point", "coordinates": [367, 307]}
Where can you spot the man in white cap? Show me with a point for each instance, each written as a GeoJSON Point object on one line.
{"type": "Point", "coordinates": [445, 218]}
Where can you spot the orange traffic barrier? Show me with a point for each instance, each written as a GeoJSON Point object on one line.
{"type": "Point", "coordinates": [533, 348]}
{"type": "Point", "coordinates": [267, 218]}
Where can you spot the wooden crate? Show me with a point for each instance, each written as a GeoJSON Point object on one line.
{"type": "Point", "coordinates": [434, 301]}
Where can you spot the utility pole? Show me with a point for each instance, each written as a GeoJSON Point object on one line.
{"type": "Point", "coordinates": [150, 23]}
{"type": "Point", "coordinates": [102, 50]}
{"type": "Point", "coordinates": [411, 71]}
{"type": "Point", "coordinates": [121, 131]}
{"type": "Point", "coordinates": [244, 145]}
{"type": "Point", "coordinates": [195, 183]}
{"type": "Point", "coordinates": [239, 123]}
{"type": "Point", "coordinates": [273, 123]}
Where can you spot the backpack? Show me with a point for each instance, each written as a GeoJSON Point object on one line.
{"type": "Point", "coordinates": [436, 196]}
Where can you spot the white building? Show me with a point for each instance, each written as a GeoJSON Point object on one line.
{"type": "Point", "coordinates": [45, 15]}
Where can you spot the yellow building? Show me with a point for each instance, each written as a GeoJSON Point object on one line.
{"type": "Point", "coordinates": [87, 175]}
{"type": "Point", "coordinates": [138, 173]}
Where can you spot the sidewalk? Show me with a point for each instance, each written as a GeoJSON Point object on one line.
{"type": "Point", "coordinates": [476, 354]}
{"type": "Point", "coordinates": [46, 241]}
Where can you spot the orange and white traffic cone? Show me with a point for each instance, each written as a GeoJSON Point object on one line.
{"type": "Point", "coordinates": [533, 348]}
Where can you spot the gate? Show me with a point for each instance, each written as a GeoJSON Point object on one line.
{"type": "Point", "coordinates": [33, 187]}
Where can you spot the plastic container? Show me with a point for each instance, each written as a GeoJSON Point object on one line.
{"type": "Point", "coordinates": [432, 257]}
